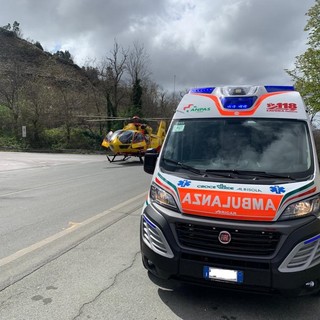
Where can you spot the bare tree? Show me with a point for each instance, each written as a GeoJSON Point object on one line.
{"type": "Point", "coordinates": [15, 28]}
{"type": "Point", "coordinates": [70, 104]}
{"type": "Point", "coordinates": [137, 63]}
{"type": "Point", "coordinates": [11, 85]}
{"type": "Point", "coordinates": [112, 72]}
{"type": "Point", "coordinates": [35, 111]}
{"type": "Point", "coordinates": [150, 99]}
{"type": "Point", "coordinates": [96, 99]}
{"type": "Point", "coordinates": [139, 74]}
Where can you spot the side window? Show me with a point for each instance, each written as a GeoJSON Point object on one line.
{"type": "Point", "coordinates": [138, 138]}
{"type": "Point", "coordinates": [126, 137]}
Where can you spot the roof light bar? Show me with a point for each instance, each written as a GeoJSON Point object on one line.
{"type": "Point", "coordinates": [279, 88]}
{"type": "Point", "coordinates": [242, 90]}
{"type": "Point", "coordinates": [238, 103]}
{"type": "Point", "coordinates": [202, 90]}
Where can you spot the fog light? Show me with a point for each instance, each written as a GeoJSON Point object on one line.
{"type": "Point", "coordinates": [150, 263]}
{"type": "Point", "coordinates": [310, 284]}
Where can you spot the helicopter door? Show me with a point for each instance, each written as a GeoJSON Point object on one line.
{"type": "Point", "coordinates": [139, 142]}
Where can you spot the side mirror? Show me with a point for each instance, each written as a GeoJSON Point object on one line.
{"type": "Point", "coordinates": [150, 160]}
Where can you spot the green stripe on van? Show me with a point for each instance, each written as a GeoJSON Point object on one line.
{"type": "Point", "coordinates": [296, 191]}
{"type": "Point", "coordinates": [169, 183]}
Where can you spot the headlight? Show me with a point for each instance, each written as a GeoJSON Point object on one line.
{"type": "Point", "coordinates": [162, 197]}
{"type": "Point", "coordinates": [302, 209]}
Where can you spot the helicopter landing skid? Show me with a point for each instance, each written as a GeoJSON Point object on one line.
{"type": "Point", "coordinates": [113, 159]}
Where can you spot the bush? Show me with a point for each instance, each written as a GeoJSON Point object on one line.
{"type": "Point", "coordinates": [56, 139]}
{"type": "Point", "coordinates": [38, 45]}
{"type": "Point", "coordinates": [9, 142]}
{"type": "Point", "coordinates": [82, 139]}
{"type": "Point", "coordinates": [5, 121]}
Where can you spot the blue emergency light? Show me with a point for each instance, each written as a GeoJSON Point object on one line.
{"type": "Point", "coordinates": [279, 88]}
{"type": "Point", "coordinates": [316, 238]}
{"type": "Point", "coordinates": [207, 90]}
{"type": "Point", "coordinates": [238, 103]}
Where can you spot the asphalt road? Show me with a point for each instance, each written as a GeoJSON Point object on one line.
{"type": "Point", "coordinates": [42, 194]}
{"type": "Point", "coordinates": [69, 232]}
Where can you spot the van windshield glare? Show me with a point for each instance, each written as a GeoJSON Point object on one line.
{"type": "Point", "coordinates": [280, 146]}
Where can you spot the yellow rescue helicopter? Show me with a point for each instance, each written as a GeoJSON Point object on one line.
{"type": "Point", "coordinates": [134, 140]}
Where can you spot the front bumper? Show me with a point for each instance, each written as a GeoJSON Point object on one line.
{"type": "Point", "coordinates": [292, 268]}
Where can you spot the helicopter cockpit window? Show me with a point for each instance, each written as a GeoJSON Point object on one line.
{"type": "Point", "coordinates": [139, 137]}
{"type": "Point", "coordinates": [126, 136]}
{"type": "Point", "coordinates": [114, 134]}
{"type": "Point", "coordinates": [270, 145]}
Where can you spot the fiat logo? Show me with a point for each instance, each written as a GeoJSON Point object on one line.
{"type": "Point", "coordinates": [224, 237]}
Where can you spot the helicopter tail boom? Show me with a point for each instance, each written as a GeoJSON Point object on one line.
{"type": "Point", "coordinates": [161, 129]}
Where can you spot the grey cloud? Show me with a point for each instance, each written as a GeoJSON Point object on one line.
{"type": "Point", "coordinates": [198, 42]}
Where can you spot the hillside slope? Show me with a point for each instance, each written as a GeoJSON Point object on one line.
{"type": "Point", "coordinates": [32, 61]}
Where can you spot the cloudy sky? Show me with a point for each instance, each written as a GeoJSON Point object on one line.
{"type": "Point", "coordinates": [189, 42]}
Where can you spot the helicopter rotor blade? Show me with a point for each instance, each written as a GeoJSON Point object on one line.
{"type": "Point", "coordinates": [122, 118]}
{"type": "Point", "coordinates": [104, 120]}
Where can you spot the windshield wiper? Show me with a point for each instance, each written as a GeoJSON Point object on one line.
{"type": "Point", "coordinates": [184, 166]}
{"type": "Point", "coordinates": [253, 174]}
{"type": "Point", "coordinates": [221, 173]}
{"type": "Point", "coordinates": [264, 174]}
{"type": "Point", "coordinates": [229, 173]}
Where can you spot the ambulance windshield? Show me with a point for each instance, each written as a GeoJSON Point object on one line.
{"type": "Point", "coordinates": [277, 146]}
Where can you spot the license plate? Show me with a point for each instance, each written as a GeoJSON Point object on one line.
{"type": "Point", "coordinates": [217, 274]}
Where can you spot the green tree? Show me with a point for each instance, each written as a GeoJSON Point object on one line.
{"type": "Point", "coordinates": [306, 73]}
{"type": "Point", "coordinates": [137, 91]}
{"type": "Point", "coordinates": [136, 65]}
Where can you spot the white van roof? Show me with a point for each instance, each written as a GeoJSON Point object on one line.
{"type": "Point", "coordinates": [242, 101]}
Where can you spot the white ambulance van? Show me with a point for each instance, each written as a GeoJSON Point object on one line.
{"type": "Point", "coordinates": [234, 199]}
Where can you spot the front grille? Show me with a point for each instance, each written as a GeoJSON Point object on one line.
{"type": "Point", "coordinates": [303, 256]}
{"type": "Point", "coordinates": [154, 238]}
{"type": "Point", "coordinates": [226, 263]}
{"type": "Point", "coordinates": [248, 242]}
